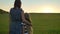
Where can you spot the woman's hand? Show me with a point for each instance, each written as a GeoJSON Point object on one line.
{"type": "Point", "coordinates": [28, 23]}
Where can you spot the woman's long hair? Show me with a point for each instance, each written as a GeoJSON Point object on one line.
{"type": "Point", "coordinates": [17, 4]}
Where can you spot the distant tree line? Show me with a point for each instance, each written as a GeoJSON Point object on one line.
{"type": "Point", "coordinates": [2, 11]}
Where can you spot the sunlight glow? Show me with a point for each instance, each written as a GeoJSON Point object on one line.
{"type": "Point", "coordinates": [47, 10]}
{"type": "Point", "coordinates": [44, 9]}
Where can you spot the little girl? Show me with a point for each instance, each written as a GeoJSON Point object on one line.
{"type": "Point", "coordinates": [28, 28]}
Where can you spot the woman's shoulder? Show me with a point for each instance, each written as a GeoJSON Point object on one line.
{"type": "Point", "coordinates": [16, 9]}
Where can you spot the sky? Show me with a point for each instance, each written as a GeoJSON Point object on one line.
{"type": "Point", "coordinates": [33, 6]}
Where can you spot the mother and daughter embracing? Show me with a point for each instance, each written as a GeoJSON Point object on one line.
{"type": "Point", "coordinates": [20, 22]}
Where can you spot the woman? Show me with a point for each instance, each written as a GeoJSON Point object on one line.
{"type": "Point", "coordinates": [17, 19]}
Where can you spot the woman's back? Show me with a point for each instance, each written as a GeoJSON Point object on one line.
{"type": "Point", "coordinates": [15, 14]}
{"type": "Point", "coordinates": [16, 19]}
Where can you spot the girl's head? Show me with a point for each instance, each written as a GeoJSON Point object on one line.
{"type": "Point", "coordinates": [17, 4]}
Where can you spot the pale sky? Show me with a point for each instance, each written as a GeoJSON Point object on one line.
{"type": "Point", "coordinates": [34, 6]}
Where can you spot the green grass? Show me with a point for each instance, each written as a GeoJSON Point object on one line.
{"type": "Point", "coordinates": [4, 23]}
{"type": "Point", "coordinates": [43, 23]}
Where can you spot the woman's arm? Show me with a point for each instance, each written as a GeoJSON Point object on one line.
{"type": "Point", "coordinates": [10, 15]}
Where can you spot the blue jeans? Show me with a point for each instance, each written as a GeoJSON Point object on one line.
{"type": "Point", "coordinates": [16, 28]}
